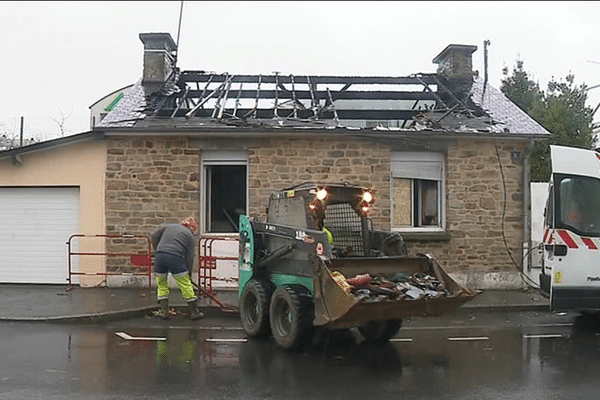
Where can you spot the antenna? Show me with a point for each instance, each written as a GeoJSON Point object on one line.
{"type": "Point", "coordinates": [486, 43]}
{"type": "Point", "coordinates": [179, 30]}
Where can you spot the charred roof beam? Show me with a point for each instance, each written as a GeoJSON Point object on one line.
{"type": "Point", "coordinates": [191, 112]}
{"type": "Point", "coordinates": [326, 113]}
{"type": "Point", "coordinates": [452, 96]}
{"type": "Point", "coordinates": [181, 101]}
{"type": "Point", "coordinates": [342, 80]}
{"type": "Point", "coordinates": [313, 95]}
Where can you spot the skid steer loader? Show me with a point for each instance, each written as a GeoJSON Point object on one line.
{"type": "Point", "coordinates": [317, 263]}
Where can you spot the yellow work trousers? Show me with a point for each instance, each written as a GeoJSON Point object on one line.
{"type": "Point", "coordinates": [183, 282]}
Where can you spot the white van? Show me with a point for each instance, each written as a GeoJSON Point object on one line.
{"type": "Point", "coordinates": [571, 261]}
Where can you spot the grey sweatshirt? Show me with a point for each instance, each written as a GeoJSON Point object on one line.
{"type": "Point", "coordinates": [175, 239]}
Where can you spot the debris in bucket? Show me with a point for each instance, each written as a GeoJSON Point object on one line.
{"type": "Point", "coordinates": [399, 287]}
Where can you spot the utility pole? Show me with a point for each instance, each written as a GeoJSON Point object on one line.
{"type": "Point", "coordinates": [21, 135]}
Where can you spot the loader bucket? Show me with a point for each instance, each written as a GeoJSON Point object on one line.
{"type": "Point", "coordinates": [336, 307]}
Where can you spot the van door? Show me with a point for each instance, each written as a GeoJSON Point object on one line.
{"type": "Point", "coordinates": [572, 235]}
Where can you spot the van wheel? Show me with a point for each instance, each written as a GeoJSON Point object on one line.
{"type": "Point", "coordinates": [254, 308]}
{"type": "Point", "coordinates": [380, 331]}
{"type": "Point", "coordinates": [291, 316]}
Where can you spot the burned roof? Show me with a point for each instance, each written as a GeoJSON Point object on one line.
{"type": "Point", "coordinates": [419, 102]}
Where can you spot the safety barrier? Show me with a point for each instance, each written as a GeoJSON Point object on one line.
{"type": "Point", "coordinates": [136, 259]}
{"type": "Point", "coordinates": [207, 261]}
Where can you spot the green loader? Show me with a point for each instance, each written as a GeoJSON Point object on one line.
{"type": "Point", "coordinates": [317, 264]}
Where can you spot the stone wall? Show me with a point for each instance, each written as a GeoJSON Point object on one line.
{"type": "Point", "coordinates": [276, 164]}
{"type": "Point", "coordinates": [151, 181]}
{"type": "Point", "coordinates": [476, 253]}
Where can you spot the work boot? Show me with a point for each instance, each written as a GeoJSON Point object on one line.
{"type": "Point", "coordinates": [195, 312]}
{"type": "Point", "coordinates": [163, 312]}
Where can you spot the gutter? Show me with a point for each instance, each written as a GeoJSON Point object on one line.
{"type": "Point", "coordinates": [269, 132]}
{"type": "Point", "coordinates": [16, 153]}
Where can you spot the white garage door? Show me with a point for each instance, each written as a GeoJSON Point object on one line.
{"type": "Point", "coordinates": [35, 226]}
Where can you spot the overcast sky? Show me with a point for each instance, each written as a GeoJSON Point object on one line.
{"type": "Point", "coordinates": [58, 58]}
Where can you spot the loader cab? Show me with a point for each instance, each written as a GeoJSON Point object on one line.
{"type": "Point", "coordinates": [341, 209]}
{"type": "Point", "coordinates": [571, 254]}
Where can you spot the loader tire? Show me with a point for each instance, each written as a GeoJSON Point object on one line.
{"type": "Point", "coordinates": [254, 308]}
{"type": "Point", "coordinates": [380, 331]}
{"type": "Point", "coordinates": [291, 314]}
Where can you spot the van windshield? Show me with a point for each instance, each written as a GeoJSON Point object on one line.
{"type": "Point", "coordinates": [578, 204]}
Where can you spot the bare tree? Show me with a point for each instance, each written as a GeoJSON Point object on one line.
{"type": "Point", "coordinates": [61, 120]}
{"type": "Point", "coordinates": [10, 135]}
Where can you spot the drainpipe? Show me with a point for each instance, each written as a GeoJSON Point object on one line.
{"type": "Point", "coordinates": [526, 209]}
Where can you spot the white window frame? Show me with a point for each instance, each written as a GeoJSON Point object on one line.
{"type": "Point", "coordinates": [214, 158]}
{"type": "Point", "coordinates": [423, 166]}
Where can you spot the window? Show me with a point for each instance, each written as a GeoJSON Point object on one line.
{"type": "Point", "coordinates": [417, 190]}
{"type": "Point", "coordinates": [577, 204]}
{"type": "Point", "coordinates": [225, 190]}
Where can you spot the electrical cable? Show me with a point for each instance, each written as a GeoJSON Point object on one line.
{"type": "Point", "coordinates": [526, 279]}
{"type": "Point", "coordinates": [485, 94]}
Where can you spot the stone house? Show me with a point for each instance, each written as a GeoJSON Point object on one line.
{"type": "Point", "coordinates": [445, 152]}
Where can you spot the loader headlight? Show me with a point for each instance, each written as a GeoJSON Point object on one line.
{"type": "Point", "coordinates": [322, 194]}
{"type": "Point", "coordinates": [367, 197]}
{"type": "Point", "coordinates": [246, 254]}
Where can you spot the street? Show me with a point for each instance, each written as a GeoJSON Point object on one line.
{"type": "Point", "coordinates": [464, 355]}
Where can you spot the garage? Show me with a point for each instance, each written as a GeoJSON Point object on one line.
{"type": "Point", "coordinates": [36, 224]}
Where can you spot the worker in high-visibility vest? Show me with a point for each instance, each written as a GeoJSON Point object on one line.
{"type": "Point", "coordinates": [327, 231]}
{"type": "Point", "coordinates": [175, 249]}
{"type": "Point", "coordinates": [329, 235]}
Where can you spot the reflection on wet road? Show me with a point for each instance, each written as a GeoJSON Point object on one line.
{"type": "Point", "coordinates": [470, 356]}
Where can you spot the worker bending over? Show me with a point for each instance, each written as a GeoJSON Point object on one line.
{"type": "Point", "coordinates": [174, 246]}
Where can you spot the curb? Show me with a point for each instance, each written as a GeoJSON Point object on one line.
{"type": "Point", "coordinates": [210, 312]}
{"type": "Point", "coordinates": [216, 312]}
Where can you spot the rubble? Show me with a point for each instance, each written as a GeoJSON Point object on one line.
{"type": "Point", "coordinates": [377, 288]}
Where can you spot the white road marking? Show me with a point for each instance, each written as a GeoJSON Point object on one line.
{"type": "Point", "coordinates": [209, 328]}
{"type": "Point", "coordinates": [227, 340]}
{"type": "Point", "coordinates": [545, 336]}
{"type": "Point", "coordinates": [128, 337]}
{"type": "Point", "coordinates": [468, 338]}
{"type": "Point", "coordinates": [401, 340]}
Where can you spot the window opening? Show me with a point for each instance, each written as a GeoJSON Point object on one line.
{"type": "Point", "coordinates": [427, 199]}
{"type": "Point", "coordinates": [416, 189]}
{"type": "Point", "coordinates": [225, 197]}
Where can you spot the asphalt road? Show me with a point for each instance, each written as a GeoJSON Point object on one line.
{"type": "Point", "coordinates": [466, 355]}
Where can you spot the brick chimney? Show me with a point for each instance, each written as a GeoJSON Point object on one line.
{"type": "Point", "coordinates": [159, 57]}
{"type": "Point", "coordinates": [455, 64]}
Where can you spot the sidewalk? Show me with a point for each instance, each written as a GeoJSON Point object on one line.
{"type": "Point", "coordinates": [54, 303]}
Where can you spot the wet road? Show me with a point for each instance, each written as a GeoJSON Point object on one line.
{"type": "Point", "coordinates": [466, 355]}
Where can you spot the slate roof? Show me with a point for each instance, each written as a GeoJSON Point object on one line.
{"type": "Point", "coordinates": [483, 111]}
{"type": "Point", "coordinates": [129, 110]}
{"type": "Point", "coordinates": [500, 108]}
